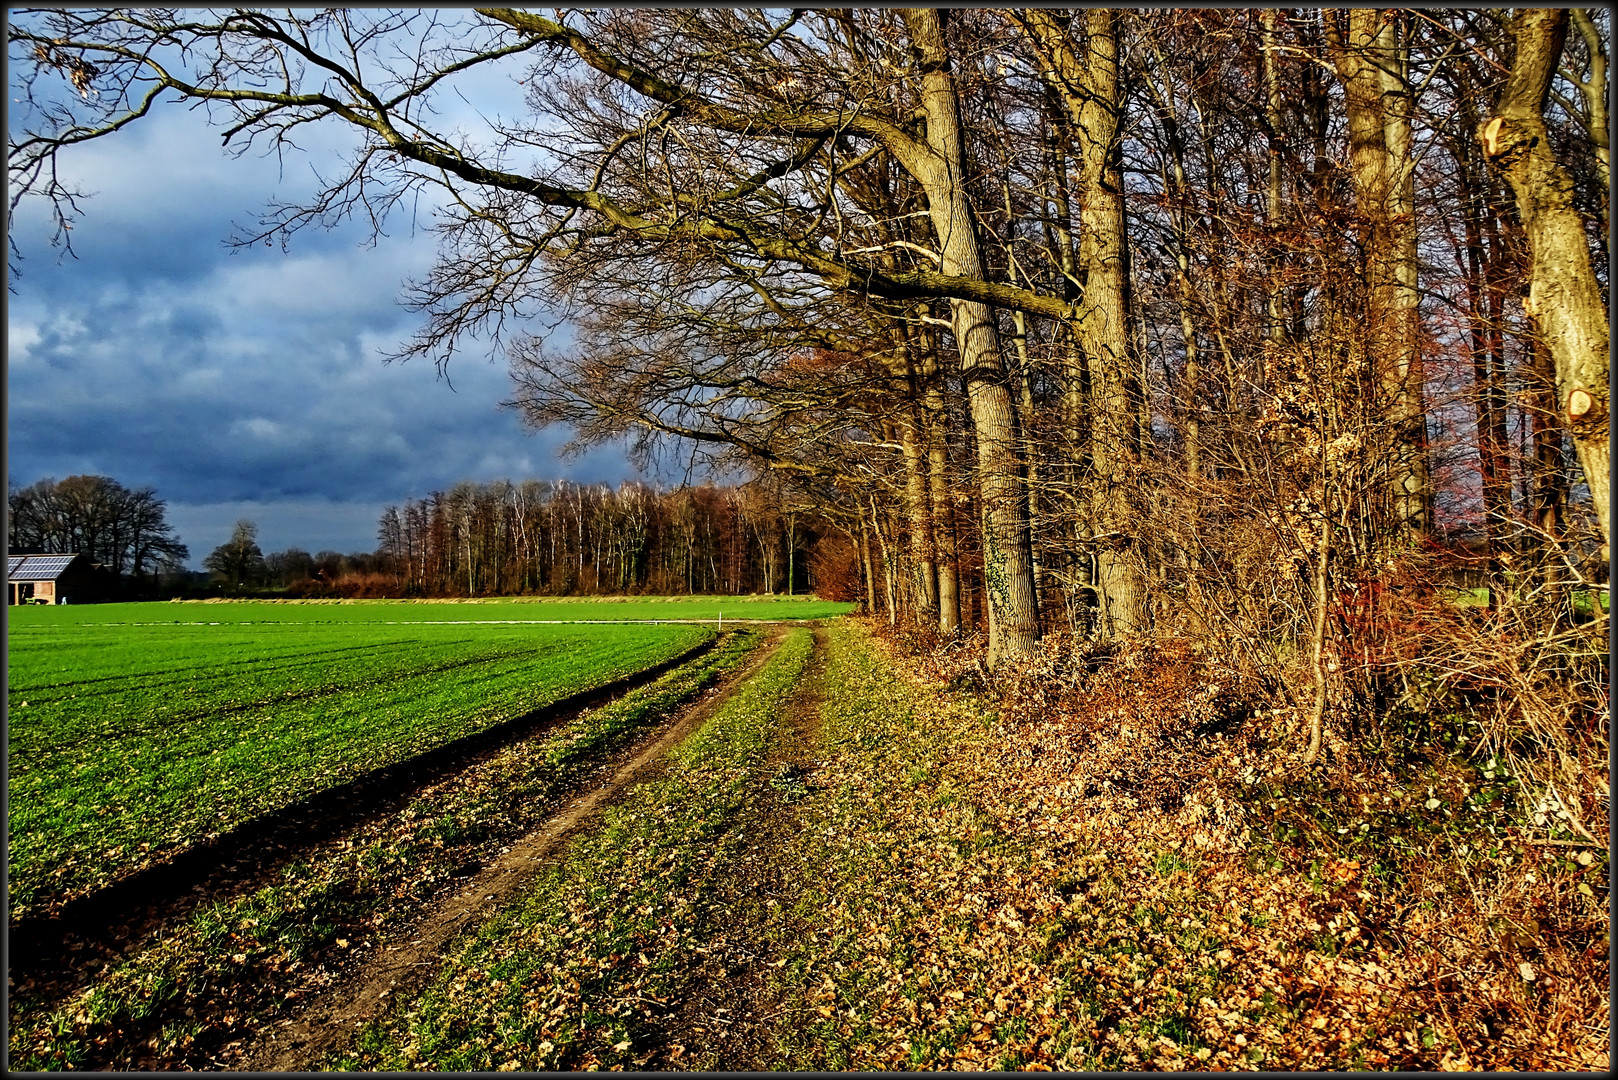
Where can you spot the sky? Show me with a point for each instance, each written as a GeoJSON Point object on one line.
{"type": "Point", "coordinates": [243, 383]}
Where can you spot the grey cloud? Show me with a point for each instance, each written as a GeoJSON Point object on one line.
{"type": "Point", "coordinates": [246, 379]}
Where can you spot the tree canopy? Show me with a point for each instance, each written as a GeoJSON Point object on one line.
{"type": "Point", "coordinates": [238, 560]}
{"type": "Point", "coordinates": [122, 529]}
{"type": "Point", "coordinates": [1121, 322]}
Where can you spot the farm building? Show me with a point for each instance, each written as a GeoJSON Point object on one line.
{"type": "Point", "coordinates": [50, 579]}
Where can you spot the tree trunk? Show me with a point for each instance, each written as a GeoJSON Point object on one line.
{"type": "Point", "coordinates": [1276, 135]}
{"type": "Point", "coordinates": [1104, 331]}
{"type": "Point", "coordinates": [1594, 91]}
{"type": "Point", "coordinates": [1549, 483]}
{"type": "Point", "coordinates": [1090, 88]}
{"type": "Point", "coordinates": [943, 519]}
{"type": "Point", "coordinates": [1372, 63]}
{"type": "Point", "coordinates": [867, 566]}
{"type": "Point", "coordinates": [1007, 564]}
{"type": "Point", "coordinates": [1563, 298]}
{"type": "Point", "coordinates": [1483, 342]}
{"type": "Point", "coordinates": [923, 558]}
{"type": "Point", "coordinates": [1177, 186]}
{"type": "Point", "coordinates": [887, 564]}
{"type": "Point", "coordinates": [1025, 387]}
{"type": "Point", "coordinates": [1319, 626]}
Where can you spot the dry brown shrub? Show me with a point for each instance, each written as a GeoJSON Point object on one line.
{"type": "Point", "coordinates": [1524, 683]}
{"type": "Point", "coordinates": [367, 586]}
{"type": "Point", "coordinates": [1152, 720]}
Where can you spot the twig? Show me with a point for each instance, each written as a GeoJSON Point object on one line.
{"type": "Point", "coordinates": [1572, 818]}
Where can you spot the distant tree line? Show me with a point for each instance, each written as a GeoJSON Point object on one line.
{"type": "Point", "coordinates": [560, 538]}
{"type": "Point", "coordinates": [240, 566]}
{"type": "Point", "coordinates": [123, 530]}
{"type": "Point", "coordinates": [494, 539]}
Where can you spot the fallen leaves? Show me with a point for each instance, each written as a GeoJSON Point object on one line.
{"type": "Point", "coordinates": [1044, 895]}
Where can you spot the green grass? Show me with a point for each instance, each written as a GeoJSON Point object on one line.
{"type": "Point", "coordinates": [238, 962]}
{"type": "Point", "coordinates": [1580, 599]}
{"type": "Point", "coordinates": [467, 612]}
{"type": "Point", "coordinates": [131, 738]}
{"type": "Point", "coordinates": [877, 848]}
{"type": "Point", "coordinates": [571, 976]}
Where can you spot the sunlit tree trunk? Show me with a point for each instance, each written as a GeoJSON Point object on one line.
{"type": "Point", "coordinates": [1563, 299]}
{"type": "Point", "coordinates": [1373, 60]}
{"type": "Point", "coordinates": [1091, 90]}
{"type": "Point", "coordinates": [1007, 563]}
{"type": "Point", "coordinates": [890, 587]}
{"type": "Point", "coordinates": [934, 424]}
{"type": "Point", "coordinates": [866, 566]}
{"type": "Point", "coordinates": [918, 501]}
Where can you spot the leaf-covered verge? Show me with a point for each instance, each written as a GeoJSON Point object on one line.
{"type": "Point", "coordinates": [579, 972]}
{"type": "Point", "coordinates": [1115, 877]}
{"type": "Point", "coordinates": [192, 994]}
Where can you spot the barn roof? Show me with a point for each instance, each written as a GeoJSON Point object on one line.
{"type": "Point", "coordinates": [36, 567]}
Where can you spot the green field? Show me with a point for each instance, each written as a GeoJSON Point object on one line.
{"type": "Point", "coordinates": [139, 729]}
{"type": "Point", "coordinates": [505, 609]}
{"type": "Point", "coordinates": [578, 941]}
{"type": "Point", "coordinates": [1580, 599]}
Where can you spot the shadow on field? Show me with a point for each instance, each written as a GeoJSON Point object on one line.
{"type": "Point", "coordinates": [86, 932]}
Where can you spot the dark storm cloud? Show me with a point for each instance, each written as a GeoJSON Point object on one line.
{"type": "Point", "coordinates": [246, 382]}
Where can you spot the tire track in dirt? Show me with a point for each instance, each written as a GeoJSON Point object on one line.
{"type": "Point", "coordinates": [326, 1023]}
{"type": "Point", "coordinates": [57, 953]}
{"type": "Point", "coordinates": [727, 1020]}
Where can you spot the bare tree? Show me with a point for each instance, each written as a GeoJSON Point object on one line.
{"type": "Point", "coordinates": [125, 530]}
{"type": "Point", "coordinates": [238, 561]}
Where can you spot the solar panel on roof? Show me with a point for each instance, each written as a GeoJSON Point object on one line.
{"type": "Point", "coordinates": [40, 567]}
{"type": "Point", "coordinates": [14, 561]}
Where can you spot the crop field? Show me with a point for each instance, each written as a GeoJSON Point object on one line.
{"type": "Point", "coordinates": [137, 730]}
{"type": "Point", "coordinates": [475, 611]}
{"type": "Point", "coordinates": [578, 939]}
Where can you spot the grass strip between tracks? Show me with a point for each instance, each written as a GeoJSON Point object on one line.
{"type": "Point", "coordinates": [575, 973]}
{"type": "Point", "coordinates": [191, 994]}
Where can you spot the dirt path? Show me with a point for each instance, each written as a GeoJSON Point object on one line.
{"type": "Point", "coordinates": [326, 1023]}
{"type": "Point", "coordinates": [728, 1022]}
{"type": "Point", "coordinates": [58, 955]}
